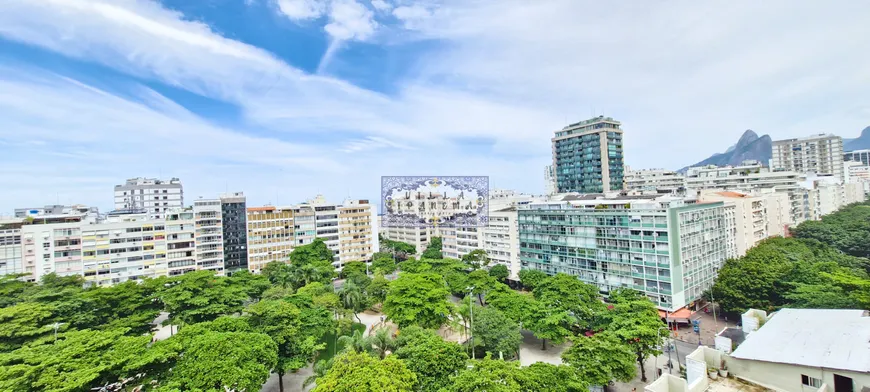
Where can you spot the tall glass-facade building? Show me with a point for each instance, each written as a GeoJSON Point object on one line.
{"type": "Point", "coordinates": [235, 232]}
{"type": "Point", "coordinates": [661, 246]}
{"type": "Point", "coordinates": [587, 156]}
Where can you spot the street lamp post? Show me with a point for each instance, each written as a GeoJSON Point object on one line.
{"type": "Point", "coordinates": [56, 325]}
{"type": "Point", "coordinates": [471, 321]}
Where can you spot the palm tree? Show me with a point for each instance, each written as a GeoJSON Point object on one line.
{"type": "Point", "coordinates": [382, 341]}
{"type": "Point", "coordinates": [352, 298]}
{"type": "Point", "coordinates": [356, 342]}
{"type": "Point", "coordinates": [321, 367]}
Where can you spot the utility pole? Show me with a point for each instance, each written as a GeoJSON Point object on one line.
{"type": "Point", "coordinates": [471, 321]}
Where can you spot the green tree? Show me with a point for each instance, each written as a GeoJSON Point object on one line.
{"type": "Point", "coordinates": [357, 372]}
{"type": "Point", "coordinates": [433, 250]}
{"type": "Point", "coordinates": [218, 360]}
{"type": "Point", "coordinates": [518, 306]}
{"type": "Point", "coordinates": [550, 324]}
{"type": "Point", "coordinates": [24, 322]}
{"type": "Point", "coordinates": [252, 284]}
{"type": "Point", "coordinates": [566, 292]}
{"type": "Point", "coordinates": [377, 290]}
{"type": "Point", "coordinates": [397, 248]}
{"type": "Point", "coordinates": [600, 359]}
{"type": "Point", "coordinates": [500, 272]}
{"type": "Point", "coordinates": [531, 278]}
{"type": "Point", "coordinates": [279, 273]}
{"type": "Point", "coordinates": [282, 322]}
{"type": "Point", "coordinates": [201, 296]}
{"type": "Point", "coordinates": [431, 358]}
{"type": "Point", "coordinates": [125, 305]}
{"type": "Point", "coordinates": [636, 322]}
{"type": "Point", "coordinates": [481, 282]}
{"type": "Point", "coordinates": [417, 299]}
{"type": "Point", "coordinates": [382, 342]}
{"type": "Point", "coordinates": [353, 268]}
{"type": "Point", "coordinates": [457, 282]}
{"type": "Point", "coordinates": [502, 376]}
{"type": "Point", "coordinates": [316, 271]}
{"type": "Point", "coordinates": [310, 253]}
{"type": "Point", "coordinates": [476, 259]}
{"type": "Point", "coordinates": [77, 361]}
{"type": "Point", "coordinates": [353, 298]}
{"type": "Point", "coordinates": [415, 266]}
{"type": "Point", "coordinates": [356, 342]}
{"type": "Point", "coordinates": [384, 262]}
{"type": "Point", "coordinates": [541, 376]}
{"type": "Point", "coordinates": [320, 369]}
{"type": "Point", "coordinates": [495, 333]}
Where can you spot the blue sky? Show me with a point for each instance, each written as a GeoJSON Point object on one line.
{"type": "Point", "coordinates": [286, 99]}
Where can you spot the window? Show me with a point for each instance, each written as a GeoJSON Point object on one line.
{"type": "Point", "coordinates": [809, 381]}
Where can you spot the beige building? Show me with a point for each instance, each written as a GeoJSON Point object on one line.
{"type": "Point", "coordinates": [180, 241]}
{"type": "Point", "coordinates": [820, 154]}
{"type": "Point", "coordinates": [357, 232]}
{"type": "Point", "coordinates": [747, 216]}
{"type": "Point", "coordinates": [419, 237]}
{"type": "Point", "coordinates": [127, 246]}
{"type": "Point", "coordinates": [270, 235]}
{"type": "Point", "coordinates": [208, 218]}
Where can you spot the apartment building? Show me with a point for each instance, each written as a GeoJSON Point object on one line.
{"type": "Point", "coordinates": [54, 212]}
{"type": "Point", "coordinates": [654, 180]}
{"type": "Point", "coordinates": [856, 172]}
{"type": "Point", "coordinates": [549, 180]}
{"type": "Point", "coordinates": [209, 238]}
{"type": "Point", "coordinates": [820, 154]}
{"type": "Point", "coordinates": [11, 257]}
{"type": "Point", "coordinates": [235, 231]}
{"type": "Point", "coordinates": [357, 233]}
{"type": "Point", "coordinates": [747, 216]}
{"type": "Point", "coordinates": [752, 176]}
{"type": "Point", "coordinates": [304, 224]}
{"type": "Point", "coordinates": [587, 156]}
{"type": "Point", "coordinates": [270, 235]}
{"type": "Point", "coordinates": [862, 156]}
{"type": "Point", "coordinates": [419, 237]}
{"type": "Point", "coordinates": [153, 195]}
{"type": "Point", "coordinates": [127, 246]}
{"type": "Point", "coordinates": [52, 244]}
{"type": "Point", "coordinates": [663, 246]}
{"type": "Point", "coordinates": [180, 227]}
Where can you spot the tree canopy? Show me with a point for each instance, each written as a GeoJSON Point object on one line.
{"type": "Point", "coordinates": [359, 372]}
{"type": "Point", "coordinates": [417, 299]}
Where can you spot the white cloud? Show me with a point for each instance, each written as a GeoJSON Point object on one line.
{"type": "Point", "coordinates": [412, 15]}
{"type": "Point", "coordinates": [302, 9]}
{"type": "Point", "coordinates": [381, 5]}
{"type": "Point", "coordinates": [350, 20]}
{"type": "Point", "coordinates": [685, 80]}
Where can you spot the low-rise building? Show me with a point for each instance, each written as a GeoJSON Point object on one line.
{"type": "Point", "coordinates": [654, 180]}
{"type": "Point", "coordinates": [418, 236]}
{"type": "Point", "coordinates": [667, 247]}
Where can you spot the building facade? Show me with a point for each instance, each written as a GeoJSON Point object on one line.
{"type": "Point", "coordinates": [748, 217]}
{"type": "Point", "coordinates": [270, 235]}
{"type": "Point", "coordinates": [419, 237]}
{"type": "Point", "coordinates": [150, 194]}
{"type": "Point", "coordinates": [11, 256]}
{"type": "Point", "coordinates": [357, 232]}
{"type": "Point", "coordinates": [818, 154]}
{"type": "Point", "coordinates": [209, 238]}
{"type": "Point", "coordinates": [127, 246]}
{"type": "Point", "coordinates": [587, 156]}
{"type": "Point", "coordinates": [663, 247]}
{"type": "Point", "coordinates": [235, 231]}
{"type": "Point", "coordinates": [180, 241]}
{"type": "Point", "coordinates": [862, 156]}
{"type": "Point", "coordinates": [549, 180]}
{"type": "Point", "coordinates": [654, 180]}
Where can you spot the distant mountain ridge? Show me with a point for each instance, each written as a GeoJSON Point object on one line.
{"type": "Point", "coordinates": [860, 143]}
{"type": "Point", "coordinates": [749, 147]}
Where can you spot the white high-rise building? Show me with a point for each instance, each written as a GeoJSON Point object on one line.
{"type": "Point", "coordinates": [549, 180]}
{"type": "Point", "coordinates": [820, 154]}
{"type": "Point", "coordinates": [152, 195]}
{"type": "Point", "coordinates": [11, 258]}
{"type": "Point", "coordinates": [748, 214]}
{"type": "Point", "coordinates": [209, 235]}
{"type": "Point", "coordinates": [180, 241]}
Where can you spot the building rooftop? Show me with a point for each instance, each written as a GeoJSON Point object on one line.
{"type": "Point", "coordinates": [731, 194]}
{"type": "Point", "coordinates": [825, 338]}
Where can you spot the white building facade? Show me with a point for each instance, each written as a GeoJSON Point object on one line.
{"type": "Point", "coordinates": [820, 154]}
{"type": "Point", "coordinates": [127, 246]}
{"type": "Point", "coordinates": [654, 180]}
{"type": "Point", "coordinates": [208, 220]}
{"type": "Point", "coordinates": [152, 195]}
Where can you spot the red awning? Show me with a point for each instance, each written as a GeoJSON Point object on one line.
{"type": "Point", "coordinates": [678, 315]}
